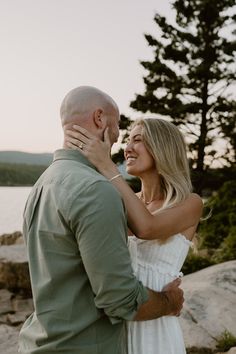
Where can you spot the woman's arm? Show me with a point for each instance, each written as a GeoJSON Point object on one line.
{"type": "Point", "coordinates": [162, 224]}
{"type": "Point", "coordinates": [144, 225]}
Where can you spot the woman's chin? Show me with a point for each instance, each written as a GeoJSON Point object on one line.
{"type": "Point", "coordinates": [131, 171]}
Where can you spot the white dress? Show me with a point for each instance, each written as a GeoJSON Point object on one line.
{"type": "Point", "coordinates": [157, 264]}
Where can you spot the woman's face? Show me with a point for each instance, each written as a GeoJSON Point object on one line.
{"type": "Point", "coordinates": [138, 159]}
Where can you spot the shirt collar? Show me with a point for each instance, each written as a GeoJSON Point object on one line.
{"type": "Point", "coordinates": [75, 155]}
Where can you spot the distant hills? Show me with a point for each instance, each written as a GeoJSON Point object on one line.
{"type": "Point", "coordinates": [38, 159]}
{"type": "Point", "coordinates": [18, 157]}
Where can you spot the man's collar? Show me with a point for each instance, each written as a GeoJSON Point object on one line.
{"type": "Point", "coordinates": [75, 155]}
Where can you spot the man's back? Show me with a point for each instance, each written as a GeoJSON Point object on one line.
{"type": "Point", "coordinates": [80, 270]}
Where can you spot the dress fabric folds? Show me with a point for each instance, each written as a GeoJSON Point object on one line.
{"type": "Point", "coordinates": [156, 264]}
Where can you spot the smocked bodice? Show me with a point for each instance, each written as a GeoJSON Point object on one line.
{"type": "Point", "coordinates": [165, 257]}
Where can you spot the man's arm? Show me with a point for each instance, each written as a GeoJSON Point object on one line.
{"type": "Point", "coordinates": [99, 222]}
{"type": "Point", "coordinates": [100, 225]}
{"type": "Point", "coordinates": [167, 302]}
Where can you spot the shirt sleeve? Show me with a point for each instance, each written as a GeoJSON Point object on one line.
{"type": "Point", "coordinates": [101, 232]}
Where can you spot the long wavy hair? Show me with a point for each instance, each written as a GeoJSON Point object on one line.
{"type": "Point", "coordinates": [166, 144]}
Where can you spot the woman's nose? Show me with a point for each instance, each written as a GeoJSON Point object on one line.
{"type": "Point", "coordinates": [128, 148]}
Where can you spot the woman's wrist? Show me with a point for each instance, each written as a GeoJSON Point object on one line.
{"type": "Point", "coordinates": [110, 171]}
{"type": "Point", "coordinates": [109, 174]}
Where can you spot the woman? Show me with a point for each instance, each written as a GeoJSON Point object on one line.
{"type": "Point", "coordinates": [163, 221]}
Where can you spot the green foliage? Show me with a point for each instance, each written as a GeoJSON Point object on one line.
{"type": "Point", "coordinates": [19, 174]}
{"type": "Point", "coordinates": [124, 127]}
{"type": "Point", "coordinates": [192, 74]}
{"type": "Point", "coordinates": [195, 262]}
{"type": "Point", "coordinates": [226, 341]}
{"type": "Point", "coordinates": [227, 249]}
{"type": "Point", "coordinates": [220, 225]}
{"type": "Point", "coordinates": [223, 343]}
{"type": "Point", "coordinates": [195, 350]}
{"type": "Point", "coordinates": [135, 184]}
{"type": "Point", "coordinates": [217, 233]}
{"type": "Point", "coordinates": [212, 180]}
{"type": "Point", "coordinates": [118, 157]}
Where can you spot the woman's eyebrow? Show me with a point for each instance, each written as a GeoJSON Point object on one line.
{"type": "Point", "coordinates": [135, 136]}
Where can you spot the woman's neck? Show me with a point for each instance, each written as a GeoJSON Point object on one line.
{"type": "Point", "coordinates": [151, 189]}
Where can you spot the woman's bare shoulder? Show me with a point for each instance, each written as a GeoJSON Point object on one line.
{"type": "Point", "coordinates": [194, 204]}
{"type": "Point", "coordinates": [196, 196]}
{"type": "Point", "coordinates": [196, 200]}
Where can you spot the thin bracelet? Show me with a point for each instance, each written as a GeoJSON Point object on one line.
{"type": "Point", "coordinates": [116, 176]}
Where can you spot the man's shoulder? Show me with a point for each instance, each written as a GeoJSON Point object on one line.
{"type": "Point", "coordinates": [70, 172]}
{"type": "Point", "coordinates": [75, 178]}
{"type": "Point", "coordinates": [81, 176]}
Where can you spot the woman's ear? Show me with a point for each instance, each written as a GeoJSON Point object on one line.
{"type": "Point", "coordinates": [99, 119]}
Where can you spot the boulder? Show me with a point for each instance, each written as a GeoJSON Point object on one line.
{"type": "Point", "coordinates": [14, 272]}
{"type": "Point", "coordinates": [208, 311]}
{"type": "Point", "coordinates": [232, 351]}
{"type": "Point", "coordinates": [209, 307]}
{"type": "Point", "coordinates": [14, 309]}
{"type": "Point", "coordinates": [8, 339]}
{"type": "Point", "coordinates": [11, 239]}
{"type": "Point", "coordinates": [5, 302]}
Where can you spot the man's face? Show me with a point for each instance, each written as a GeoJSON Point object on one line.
{"type": "Point", "coordinates": [113, 125]}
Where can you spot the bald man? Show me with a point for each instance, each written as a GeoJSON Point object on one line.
{"type": "Point", "coordinates": [75, 231]}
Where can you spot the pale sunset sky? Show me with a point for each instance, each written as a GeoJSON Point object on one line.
{"type": "Point", "coordinates": [49, 47]}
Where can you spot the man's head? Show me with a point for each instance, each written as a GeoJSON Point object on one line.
{"type": "Point", "coordinates": [92, 109]}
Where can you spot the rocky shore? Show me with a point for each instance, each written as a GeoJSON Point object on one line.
{"type": "Point", "coordinates": [209, 309]}
{"type": "Point", "coordinates": [15, 292]}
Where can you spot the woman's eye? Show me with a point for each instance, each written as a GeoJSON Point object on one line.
{"type": "Point", "coordinates": [137, 140]}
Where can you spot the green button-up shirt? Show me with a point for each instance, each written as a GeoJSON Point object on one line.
{"type": "Point", "coordinates": [82, 281]}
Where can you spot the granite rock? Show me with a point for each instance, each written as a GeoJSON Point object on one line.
{"type": "Point", "coordinates": [14, 271]}
{"type": "Point", "coordinates": [8, 339]}
{"type": "Point", "coordinates": [11, 239]}
{"type": "Point", "coordinates": [209, 308]}
{"type": "Point", "coordinates": [210, 304]}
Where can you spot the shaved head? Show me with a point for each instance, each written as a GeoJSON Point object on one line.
{"type": "Point", "coordinates": [92, 109]}
{"type": "Point", "coordinates": [81, 102]}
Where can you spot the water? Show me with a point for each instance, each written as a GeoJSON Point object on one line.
{"type": "Point", "coordinates": [12, 203]}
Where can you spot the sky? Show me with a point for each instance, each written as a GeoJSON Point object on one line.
{"type": "Point", "coordinates": [49, 47]}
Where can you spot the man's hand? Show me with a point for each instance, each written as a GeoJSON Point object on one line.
{"type": "Point", "coordinates": [175, 297]}
{"type": "Point", "coordinates": [167, 302]}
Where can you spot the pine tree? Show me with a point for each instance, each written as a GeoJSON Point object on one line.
{"type": "Point", "coordinates": [192, 77]}
{"type": "Point", "coordinates": [124, 126]}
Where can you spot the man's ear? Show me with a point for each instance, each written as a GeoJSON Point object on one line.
{"type": "Point", "coordinates": [99, 118]}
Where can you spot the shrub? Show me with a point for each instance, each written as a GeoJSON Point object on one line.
{"type": "Point", "coordinates": [227, 249]}
{"type": "Point", "coordinates": [226, 341]}
{"type": "Point", "coordinates": [195, 350]}
{"type": "Point", "coordinates": [215, 229]}
{"type": "Point", "coordinates": [195, 262]}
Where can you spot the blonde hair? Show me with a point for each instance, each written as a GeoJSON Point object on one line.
{"type": "Point", "coordinates": [166, 145]}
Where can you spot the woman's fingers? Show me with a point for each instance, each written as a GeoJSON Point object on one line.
{"type": "Point", "coordinates": [83, 131]}
{"type": "Point", "coordinates": [78, 137]}
{"type": "Point", "coordinates": [72, 146]}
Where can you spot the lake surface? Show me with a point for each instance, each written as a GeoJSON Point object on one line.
{"type": "Point", "coordinates": [12, 203]}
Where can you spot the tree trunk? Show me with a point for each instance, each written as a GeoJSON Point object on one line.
{"type": "Point", "coordinates": [202, 140]}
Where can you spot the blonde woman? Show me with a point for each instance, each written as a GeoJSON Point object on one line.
{"type": "Point", "coordinates": [163, 216]}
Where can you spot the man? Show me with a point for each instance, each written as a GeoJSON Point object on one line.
{"type": "Point", "coordinates": [75, 231]}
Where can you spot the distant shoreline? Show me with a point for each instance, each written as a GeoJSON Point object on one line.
{"type": "Point", "coordinates": [16, 185]}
